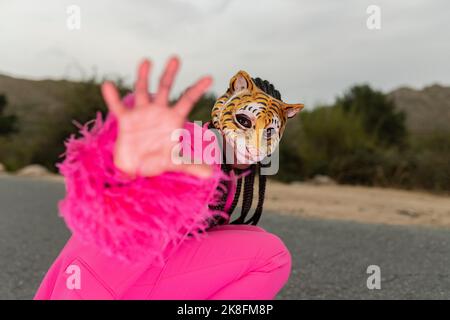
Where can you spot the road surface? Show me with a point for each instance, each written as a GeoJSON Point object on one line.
{"type": "Point", "coordinates": [330, 258]}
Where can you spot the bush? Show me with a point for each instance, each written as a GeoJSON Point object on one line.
{"type": "Point", "coordinates": [361, 139]}
{"type": "Point", "coordinates": [431, 161]}
{"type": "Point", "coordinates": [8, 123]}
{"type": "Point", "coordinates": [202, 109]}
{"type": "Point", "coordinates": [333, 142]}
{"type": "Point", "coordinates": [81, 104]}
{"type": "Point", "coordinates": [378, 114]}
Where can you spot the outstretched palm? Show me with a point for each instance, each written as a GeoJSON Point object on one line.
{"type": "Point", "coordinates": [144, 145]}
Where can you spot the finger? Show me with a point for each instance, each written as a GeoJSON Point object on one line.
{"type": "Point", "coordinates": [165, 84]}
{"type": "Point", "coordinates": [112, 98]}
{"type": "Point", "coordinates": [141, 87]}
{"type": "Point", "coordinates": [192, 95]}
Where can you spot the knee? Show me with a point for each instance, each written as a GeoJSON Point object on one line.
{"type": "Point", "coordinates": [276, 255]}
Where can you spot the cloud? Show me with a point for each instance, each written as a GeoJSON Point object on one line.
{"type": "Point", "coordinates": [310, 50]}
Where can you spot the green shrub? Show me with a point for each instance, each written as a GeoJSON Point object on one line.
{"type": "Point", "coordinates": [378, 114]}
{"type": "Point", "coordinates": [328, 141]}
{"type": "Point", "coordinates": [8, 123]}
{"type": "Point", "coordinates": [431, 159]}
{"type": "Point", "coordinates": [81, 104]}
{"type": "Point", "coordinates": [361, 139]}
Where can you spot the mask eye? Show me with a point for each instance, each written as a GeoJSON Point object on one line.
{"type": "Point", "coordinates": [269, 132]}
{"type": "Point", "coordinates": [244, 121]}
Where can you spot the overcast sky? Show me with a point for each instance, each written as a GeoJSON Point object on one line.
{"type": "Point", "coordinates": [311, 50]}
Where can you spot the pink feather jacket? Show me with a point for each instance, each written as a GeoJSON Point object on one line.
{"type": "Point", "coordinates": [121, 226]}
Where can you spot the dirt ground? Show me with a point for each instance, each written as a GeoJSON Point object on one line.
{"type": "Point", "coordinates": [356, 203]}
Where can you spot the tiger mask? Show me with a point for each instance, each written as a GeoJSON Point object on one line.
{"type": "Point", "coordinates": [251, 121]}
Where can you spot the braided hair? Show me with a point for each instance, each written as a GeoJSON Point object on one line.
{"type": "Point", "coordinates": [246, 185]}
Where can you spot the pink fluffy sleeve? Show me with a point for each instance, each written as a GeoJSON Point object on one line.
{"type": "Point", "coordinates": [137, 218]}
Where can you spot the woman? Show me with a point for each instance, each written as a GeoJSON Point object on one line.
{"type": "Point", "coordinates": [145, 226]}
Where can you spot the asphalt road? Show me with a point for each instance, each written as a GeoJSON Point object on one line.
{"type": "Point", "coordinates": [330, 258]}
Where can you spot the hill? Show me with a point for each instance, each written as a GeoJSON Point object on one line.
{"type": "Point", "coordinates": [426, 110]}
{"type": "Point", "coordinates": [32, 99]}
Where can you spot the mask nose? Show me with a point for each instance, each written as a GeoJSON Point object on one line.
{"type": "Point", "coordinates": [257, 136]}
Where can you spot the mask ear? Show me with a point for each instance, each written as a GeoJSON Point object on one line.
{"type": "Point", "coordinates": [292, 109]}
{"type": "Point", "coordinates": [241, 81]}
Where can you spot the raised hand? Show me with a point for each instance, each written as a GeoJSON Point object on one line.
{"type": "Point", "coordinates": [144, 145]}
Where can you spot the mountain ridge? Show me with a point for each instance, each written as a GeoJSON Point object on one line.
{"type": "Point", "coordinates": [427, 109]}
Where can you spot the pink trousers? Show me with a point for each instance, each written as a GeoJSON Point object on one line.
{"type": "Point", "coordinates": [232, 262]}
